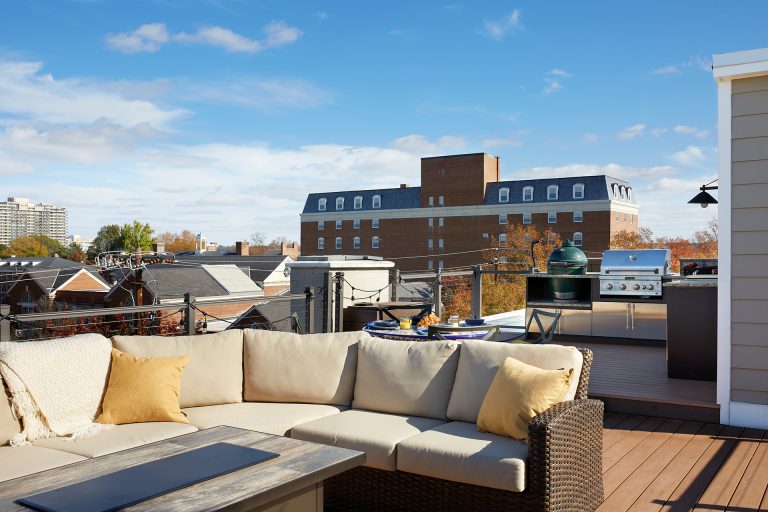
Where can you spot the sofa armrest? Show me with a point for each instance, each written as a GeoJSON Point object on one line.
{"type": "Point", "coordinates": [565, 455]}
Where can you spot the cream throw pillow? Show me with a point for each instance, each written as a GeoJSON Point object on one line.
{"type": "Point", "coordinates": [143, 389]}
{"type": "Point", "coordinates": [517, 394]}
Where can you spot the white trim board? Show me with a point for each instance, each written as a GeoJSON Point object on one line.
{"type": "Point", "coordinates": [740, 64]}
{"type": "Point", "coordinates": [748, 415]}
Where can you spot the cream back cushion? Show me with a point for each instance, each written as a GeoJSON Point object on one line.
{"type": "Point", "coordinates": [412, 378]}
{"type": "Point", "coordinates": [214, 374]}
{"type": "Point", "coordinates": [480, 360]}
{"type": "Point", "coordinates": [9, 426]}
{"type": "Point", "coordinates": [310, 368]}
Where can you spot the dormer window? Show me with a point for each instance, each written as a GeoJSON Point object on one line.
{"type": "Point", "coordinates": [504, 195]}
{"type": "Point", "coordinates": [615, 189]}
{"type": "Point", "coordinates": [623, 191]}
{"type": "Point", "coordinates": [339, 203]}
{"type": "Point", "coordinates": [321, 204]}
{"type": "Point", "coordinates": [578, 191]}
{"type": "Point", "coordinates": [552, 193]}
{"type": "Point", "coordinates": [377, 201]}
{"type": "Point", "coordinates": [629, 194]}
{"type": "Point", "coordinates": [527, 194]}
{"type": "Point", "coordinates": [358, 202]}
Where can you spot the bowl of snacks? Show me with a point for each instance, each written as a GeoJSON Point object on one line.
{"type": "Point", "coordinates": [428, 320]}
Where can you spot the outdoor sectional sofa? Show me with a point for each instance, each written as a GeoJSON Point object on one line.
{"type": "Point", "coordinates": [410, 406]}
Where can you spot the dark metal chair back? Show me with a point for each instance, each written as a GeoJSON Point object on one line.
{"type": "Point", "coordinates": [545, 335]}
{"type": "Point", "coordinates": [423, 310]}
{"type": "Point", "coordinates": [435, 332]}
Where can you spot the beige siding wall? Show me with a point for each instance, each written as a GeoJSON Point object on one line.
{"type": "Point", "coordinates": [749, 231]}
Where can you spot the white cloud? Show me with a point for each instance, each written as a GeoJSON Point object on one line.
{"type": "Point", "coordinates": [552, 86]}
{"type": "Point", "coordinates": [151, 37]}
{"type": "Point", "coordinates": [321, 15]}
{"type": "Point", "coordinates": [420, 145]}
{"type": "Point", "coordinates": [590, 137]}
{"type": "Point", "coordinates": [658, 132]}
{"type": "Point", "coordinates": [256, 93]}
{"type": "Point", "coordinates": [699, 133]}
{"type": "Point", "coordinates": [498, 29]}
{"type": "Point", "coordinates": [666, 70]}
{"type": "Point", "coordinates": [631, 132]}
{"type": "Point", "coordinates": [560, 72]}
{"type": "Point", "coordinates": [147, 38]}
{"type": "Point", "coordinates": [611, 169]}
{"type": "Point", "coordinates": [664, 207]}
{"type": "Point", "coordinates": [27, 93]}
{"type": "Point", "coordinates": [691, 155]}
{"type": "Point", "coordinates": [699, 63]}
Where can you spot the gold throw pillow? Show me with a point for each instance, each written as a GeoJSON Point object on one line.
{"type": "Point", "coordinates": [143, 389]}
{"type": "Point", "coordinates": [517, 394]}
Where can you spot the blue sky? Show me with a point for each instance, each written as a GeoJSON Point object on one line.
{"type": "Point", "coordinates": [220, 116]}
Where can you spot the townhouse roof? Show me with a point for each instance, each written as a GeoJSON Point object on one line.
{"type": "Point", "coordinates": [259, 268]}
{"type": "Point", "coordinates": [391, 199]}
{"type": "Point", "coordinates": [270, 315]}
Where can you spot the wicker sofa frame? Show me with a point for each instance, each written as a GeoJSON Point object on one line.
{"type": "Point", "coordinates": [563, 471]}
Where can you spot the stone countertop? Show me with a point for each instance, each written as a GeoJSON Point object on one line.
{"type": "Point", "coordinates": [696, 282]}
{"type": "Point", "coordinates": [590, 275]}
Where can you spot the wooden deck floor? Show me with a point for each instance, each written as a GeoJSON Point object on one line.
{"type": "Point", "coordinates": [656, 464]}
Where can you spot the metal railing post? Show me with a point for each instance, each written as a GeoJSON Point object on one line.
{"type": "Point", "coordinates": [327, 302]}
{"type": "Point", "coordinates": [339, 302]}
{"type": "Point", "coordinates": [5, 323]}
{"type": "Point", "coordinates": [309, 310]}
{"type": "Point", "coordinates": [190, 323]}
{"type": "Point", "coordinates": [393, 287]}
{"type": "Point", "coordinates": [439, 294]}
{"type": "Point", "coordinates": [477, 291]}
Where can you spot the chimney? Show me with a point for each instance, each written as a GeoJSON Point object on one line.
{"type": "Point", "coordinates": [241, 248]}
{"type": "Point", "coordinates": [403, 185]}
{"type": "Point", "coordinates": [158, 247]}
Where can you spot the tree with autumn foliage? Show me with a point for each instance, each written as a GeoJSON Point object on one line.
{"type": "Point", "coordinates": [703, 244]}
{"type": "Point", "coordinates": [177, 242]}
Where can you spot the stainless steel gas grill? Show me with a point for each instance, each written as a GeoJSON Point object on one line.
{"type": "Point", "coordinates": [633, 272]}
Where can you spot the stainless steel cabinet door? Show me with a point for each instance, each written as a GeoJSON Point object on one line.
{"type": "Point", "coordinates": [611, 319]}
{"type": "Point", "coordinates": [649, 321]}
{"type": "Point", "coordinates": [577, 322]}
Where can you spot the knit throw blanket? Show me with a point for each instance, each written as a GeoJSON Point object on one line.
{"type": "Point", "coordinates": [56, 386]}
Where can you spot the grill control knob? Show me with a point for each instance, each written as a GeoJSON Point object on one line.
{"type": "Point", "coordinates": [622, 286]}
{"type": "Point", "coordinates": [650, 287]}
{"type": "Point", "coordinates": [644, 287]}
{"type": "Point", "coordinates": [636, 287]}
{"type": "Point", "coordinates": [609, 286]}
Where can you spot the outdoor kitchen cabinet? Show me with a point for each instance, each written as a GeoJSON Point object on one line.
{"type": "Point", "coordinates": [576, 322]}
{"type": "Point", "coordinates": [634, 320]}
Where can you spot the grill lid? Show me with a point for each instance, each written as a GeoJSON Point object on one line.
{"type": "Point", "coordinates": [635, 262]}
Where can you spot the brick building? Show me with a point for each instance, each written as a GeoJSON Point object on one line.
{"type": "Point", "coordinates": [460, 207]}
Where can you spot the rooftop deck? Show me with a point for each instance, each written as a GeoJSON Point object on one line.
{"type": "Point", "coordinates": [656, 464]}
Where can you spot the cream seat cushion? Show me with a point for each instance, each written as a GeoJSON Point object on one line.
{"type": "Point", "coordinates": [9, 426]}
{"type": "Point", "coordinates": [456, 451]}
{"type": "Point", "coordinates": [480, 360]}
{"type": "Point", "coordinates": [116, 439]}
{"type": "Point", "coordinates": [272, 418]}
{"type": "Point", "coordinates": [312, 368]}
{"type": "Point", "coordinates": [214, 374]}
{"type": "Point", "coordinates": [411, 378]}
{"type": "Point", "coordinates": [374, 433]}
{"type": "Point", "coordinates": [16, 462]}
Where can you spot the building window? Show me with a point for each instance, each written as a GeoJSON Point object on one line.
{"type": "Point", "coordinates": [577, 239]}
{"type": "Point", "coordinates": [441, 200]}
{"type": "Point", "coordinates": [631, 219]}
{"type": "Point", "coordinates": [356, 224]}
{"type": "Point", "coordinates": [339, 203]}
{"type": "Point", "coordinates": [320, 225]}
{"type": "Point", "coordinates": [578, 191]}
{"type": "Point", "coordinates": [375, 223]}
{"type": "Point", "coordinates": [578, 216]}
{"type": "Point", "coordinates": [338, 242]}
{"type": "Point", "coordinates": [431, 201]}
{"type": "Point", "coordinates": [376, 201]}
{"type": "Point", "coordinates": [502, 239]}
{"type": "Point", "coordinates": [338, 224]}
{"type": "Point", "coordinates": [552, 193]}
{"type": "Point", "coordinates": [552, 217]}
{"type": "Point", "coordinates": [27, 304]}
{"type": "Point", "coordinates": [623, 192]}
{"type": "Point", "coordinates": [430, 244]}
{"type": "Point", "coordinates": [527, 194]}
{"type": "Point", "coordinates": [321, 204]}
{"type": "Point", "coordinates": [629, 194]}
{"type": "Point", "coordinates": [625, 218]}
{"type": "Point", "coordinates": [440, 265]}
{"type": "Point", "coordinates": [440, 243]}
{"type": "Point", "coordinates": [504, 195]}
{"type": "Point", "coordinates": [485, 235]}
{"type": "Point", "coordinates": [430, 265]}
{"type": "Point", "coordinates": [358, 202]}
{"type": "Point", "coordinates": [356, 242]}
{"type": "Point", "coordinates": [527, 218]}
{"type": "Point", "coordinates": [441, 222]}
{"type": "Point", "coordinates": [430, 222]}
{"type": "Point", "coordinates": [375, 242]}
{"type": "Point", "coordinates": [502, 219]}
{"type": "Point", "coordinates": [321, 243]}
{"type": "Point", "coordinates": [615, 189]}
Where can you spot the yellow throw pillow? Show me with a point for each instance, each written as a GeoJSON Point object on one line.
{"type": "Point", "coordinates": [143, 389]}
{"type": "Point", "coordinates": [517, 394]}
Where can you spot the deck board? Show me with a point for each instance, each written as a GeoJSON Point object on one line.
{"type": "Point", "coordinates": [753, 485]}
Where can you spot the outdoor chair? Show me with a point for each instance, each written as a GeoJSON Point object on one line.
{"type": "Point", "coordinates": [435, 332]}
{"type": "Point", "coordinates": [545, 335]}
{"type": "Point", "coordinates": [423, 310]}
